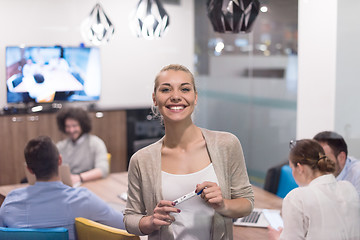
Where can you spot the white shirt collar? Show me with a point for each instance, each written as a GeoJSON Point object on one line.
{"type": "Point", "coordinates": [324, 179]}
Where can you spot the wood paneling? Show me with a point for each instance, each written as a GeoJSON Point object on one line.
{"type": "Point", "coordinates": [110, 126]}
{"type": "Point", "coordinates": [11, 148]}
{"type": "Point", "coordinates": [17, 130]}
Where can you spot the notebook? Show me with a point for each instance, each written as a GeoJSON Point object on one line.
{"type": "Point", "coordinates": [261, 218]}
{"type": "Point", "coordinates": [64, 172]}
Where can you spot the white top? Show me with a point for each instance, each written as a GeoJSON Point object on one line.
{"type": "Point", "coordinates": [194, 220]}
{"type": "Point", "coordinates": [325, 209]}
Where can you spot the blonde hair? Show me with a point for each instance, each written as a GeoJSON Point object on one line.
{"type": "Point", "coordinates": [174, 67]}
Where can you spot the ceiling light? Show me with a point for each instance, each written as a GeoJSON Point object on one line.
{"type": "Point", "coordinates": [219, 47]}
{"type": "Point", "coordinates": [264, 9]}
{"type": "Point", "coordinates": [149, 20]}
{"type": "Point", "coordinates": [97, 27]}
{"type": "Point", "coordinates": [232, 16]}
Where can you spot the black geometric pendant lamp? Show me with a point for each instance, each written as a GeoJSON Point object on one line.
{"type": "Point", "coordinates": [149, 20]}
{"type": "Point", "coordinates": [97, 27]}
{"type": "Point", "coordinates": [232, 16]}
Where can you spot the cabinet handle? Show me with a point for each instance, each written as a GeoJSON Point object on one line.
{"type": "Point", "coordinates": [33, 118]}
{"type": "Point", "coordinates": [16, 119]}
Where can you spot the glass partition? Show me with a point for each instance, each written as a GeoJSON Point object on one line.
{"type": "Point", "coordinates": [247, 83]}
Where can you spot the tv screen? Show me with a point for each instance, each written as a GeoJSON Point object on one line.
{"type": "Point", "coordinates": [52, 74]}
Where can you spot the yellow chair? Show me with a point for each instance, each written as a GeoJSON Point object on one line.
{"type": "Point", "coordinates": [90, 230]}
{"type": "Point", "coordinates": [109, 159]}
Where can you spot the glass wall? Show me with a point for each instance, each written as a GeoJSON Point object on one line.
{"type": "Point", "coordinates": [247, 83]}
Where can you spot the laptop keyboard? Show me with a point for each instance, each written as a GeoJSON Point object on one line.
{"type": "Point", "coordinates": [252, 218]}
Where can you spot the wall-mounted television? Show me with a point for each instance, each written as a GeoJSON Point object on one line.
{"type": "Point", "coordinates": [52, 74]}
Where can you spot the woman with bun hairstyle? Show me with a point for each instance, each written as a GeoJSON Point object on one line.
{"type": "Point", "coordinates": [321, 208]}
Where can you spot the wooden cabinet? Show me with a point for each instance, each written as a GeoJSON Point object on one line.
{"type": "Point", "coordinates": [110, 126]}
{"type": "Point", "coordinates": [12, 148]}
{"type": "Point", "coordinates": [17, 130]}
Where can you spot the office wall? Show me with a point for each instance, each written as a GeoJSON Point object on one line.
{"type": "Point", "coordinates": [328, 89]}
{"type": "Point", "coordinates": [129, 64]}
{"type": "Point", "coordinates": [347, 117]}
{"type": "Point", "coordinates": [317, 67]}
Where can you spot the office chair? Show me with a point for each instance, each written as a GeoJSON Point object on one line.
{"type": "Point", "coordinates": [279, 180]}
{"type": "Point", "coordinates": [90, 230]}
{"type": "Point", "coordinates": [59, 233]}
{"type": "Point", "coordinates": [286, 181]}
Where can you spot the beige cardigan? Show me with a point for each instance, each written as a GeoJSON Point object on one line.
{"type": "Point", "coordinates": [145, 192]}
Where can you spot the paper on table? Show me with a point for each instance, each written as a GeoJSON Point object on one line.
{"type": "Point", "coordinates": [274, 218]}
{"type": "Point", "coordinates": [117, 206]}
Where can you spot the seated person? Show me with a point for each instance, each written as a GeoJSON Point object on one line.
{"type": "Point", "coordinates": [346, 168]}
{"type": "Point", "coordinates": [50, 203]}
{"type": "Point", "coordinates": [321, 208]}
{"type": "Point", "coordinates": [86, 154]}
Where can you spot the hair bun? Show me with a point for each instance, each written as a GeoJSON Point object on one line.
{"type": "Point", "coordinates": [325, 164]}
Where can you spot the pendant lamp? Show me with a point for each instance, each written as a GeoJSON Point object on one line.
{"type": "Point", "coordinates": [97, 27]}
{"type": "Point", "coordinates": [149, 20]}
{"type": "Point", "coordinates": [232, 16]}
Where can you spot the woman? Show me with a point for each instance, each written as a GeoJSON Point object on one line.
{"type": "Point", "coordinates": [186, 159]}
{"type": "Point", "coordinates": [321, 208]}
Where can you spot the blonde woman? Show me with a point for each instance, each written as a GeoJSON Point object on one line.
{"type": "Point", "coordinates": [186, 159]}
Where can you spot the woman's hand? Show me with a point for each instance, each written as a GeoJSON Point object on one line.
{"type": "Point", "coordinates": [233, 208]}
{"type": "Point", "coordinates": [211, 194]}
{"type": "Point", "coordinates": [161, 217]}
{"type": "Point", "coordinates": [274, 234]}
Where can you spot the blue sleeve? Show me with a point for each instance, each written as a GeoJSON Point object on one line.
{"type": "Point", "coordinates": [3, 212]}
{"type": "Point", "coordinates": [1, 217]}
{"type": "Point", "coordinates": [97, 210]}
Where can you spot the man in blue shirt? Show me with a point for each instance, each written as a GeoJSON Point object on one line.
{"type": "Point", "coordinates": [50, 203]}
{"type": "Point", "coordinates": [335, 147]}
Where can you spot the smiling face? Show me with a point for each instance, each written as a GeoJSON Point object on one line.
{"type": "Point", "coordinates": [73, 129]}
{"type": "Point", "coordinates": [175, 95]}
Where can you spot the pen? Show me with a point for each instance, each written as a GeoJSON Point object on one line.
{"type": "Point", "coordinates": [187, 196]}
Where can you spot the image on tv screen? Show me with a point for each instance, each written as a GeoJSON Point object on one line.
{"type": "Point", "coordinates": [51, 74]}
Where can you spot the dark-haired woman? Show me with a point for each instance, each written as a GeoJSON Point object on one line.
{"type": "Point", "coordinates": [321, 208]}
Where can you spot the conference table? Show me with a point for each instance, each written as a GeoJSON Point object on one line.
{"type": "Point", "coordinates": [111, 187]}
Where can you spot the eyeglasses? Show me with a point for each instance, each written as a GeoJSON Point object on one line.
{"type": "Point", "coordinates": [292, 144]}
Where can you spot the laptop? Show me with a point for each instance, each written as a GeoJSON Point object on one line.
{"type": "Point", "coordinates": [260, 217]}
{"type": "Point", "coordinates": [64, 172]}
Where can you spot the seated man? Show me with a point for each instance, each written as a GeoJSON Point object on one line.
{"type": "Point", "coordinates": [335, 147]}
{"type": "Point", "coordinates": [86, 154]}
{"type": "Point", "coordinates": [49, 203]}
